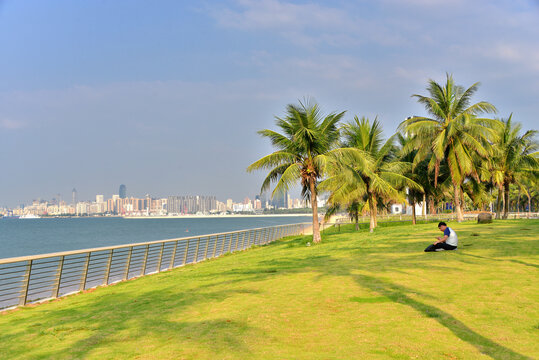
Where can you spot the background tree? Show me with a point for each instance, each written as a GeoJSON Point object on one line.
{"type": "Point", "coordinates": [453, 132]}
{"type": "Point", "coordinates": [514, 157]}
{"type": "Point", "coordinates": [304, 145]}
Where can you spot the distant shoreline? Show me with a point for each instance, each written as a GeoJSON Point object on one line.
{"type": "Point", "coordinates": [212, 216]}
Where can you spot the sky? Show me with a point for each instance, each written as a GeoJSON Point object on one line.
{"type": "Point", "coordinates": [167, 97]}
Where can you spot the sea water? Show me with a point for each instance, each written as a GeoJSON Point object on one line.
{"type": "Point", "coordinates": [21, 237]}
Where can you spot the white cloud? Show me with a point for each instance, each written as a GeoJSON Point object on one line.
{"type": "Point", "coordinates": [307, 25]}
{"type": "Point", "coordinates": [520, 54]}
{"type": "Point", "coordinates": [275, 14]}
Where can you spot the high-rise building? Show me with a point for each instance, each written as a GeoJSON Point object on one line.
{"type": "Point", "coordinates": [99, 198]}
{"type": "Point", "coordinates": [74, 196]}
{"type": "Point", "coordinates": [123, 191]}
{"type": "Point", "coordinates": [191, 204]}
{"type": "Point", "coordinates": [280, 200]}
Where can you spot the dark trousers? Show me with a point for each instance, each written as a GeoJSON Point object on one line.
{"type": "Point", "coordinates": [441, 245]}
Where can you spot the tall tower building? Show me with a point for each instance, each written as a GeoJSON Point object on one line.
{"type": "Point", "coordinates": [123, 191]}
{"type": "Point", "coordinates": [74, 196]}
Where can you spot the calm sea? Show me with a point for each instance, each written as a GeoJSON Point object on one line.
{"type": "Point", "coordinates": [20, 237]}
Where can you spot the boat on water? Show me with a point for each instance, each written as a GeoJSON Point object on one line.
{"type": "Point", "coordinates": [30, 216]}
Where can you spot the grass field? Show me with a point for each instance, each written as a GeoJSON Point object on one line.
{"type": "Point", "coordinates": [355, 296]}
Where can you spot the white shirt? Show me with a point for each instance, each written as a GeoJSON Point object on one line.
{"type": "Point", "coordinates": [452, 239]}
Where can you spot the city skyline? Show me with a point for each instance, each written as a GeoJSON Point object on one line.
{"type": "Point", "coordinates": [172, 205]}
{"type": "Point", "coordinates": [169, 98]}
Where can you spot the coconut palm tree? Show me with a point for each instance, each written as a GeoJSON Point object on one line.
{"type": "Point", "coordinates": [353, 208]}
{"type": "Point", "coordinates": [302, 153]}
{"type": "Point", "coordinates": [453, 132]}
{"type": "Point", "coordinates": [367, 168]}
{"type": "Point", "coordinates": [515, 156]}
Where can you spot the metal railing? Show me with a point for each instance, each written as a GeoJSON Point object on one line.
{"type": "Point", "coordinates": [31, 279]}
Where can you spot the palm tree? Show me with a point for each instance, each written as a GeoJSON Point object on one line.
{"type": "Point", "coordinates": [453, 132]}
{"type": "Point", "coordinates": [515, 156]}
{"type": "Point", "coordinates": [418, 172]}
{"type": "Point", "coordinates": [367, 168]}
{"type": "Point", "coordinates": [353, 208]}
{"type": "Point", "coordinates": [302, 153]}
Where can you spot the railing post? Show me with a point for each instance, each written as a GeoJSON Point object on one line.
{"type": "Point", "coordinates": [173, 256]}
{"type": "Point", "coordinates": [160, 260]}
{"type": "Point", "coordinates": [223, 245]}
{"type": "Point", "coordinates": [195, 260]}
{"type": "Point", "coordinates": [206, 249]}
{"type": "Point", "coordinates": [244, 235]}
{"type": "Point", "coordinates": [84, 275]}
{"type": "Point", "coordinates": [26, 283]}
{"type": "Point", "coordinates": [128, 263]}
{"type": "Point", "coordinates": [215, 246]}
{"type": "Point", "coordinates": [145, 260]}
{"type": "Point", "coordinates": [249, 236]}
{"type": "Point", "coordinates": [230, 243]}
{"type": "Point", "coordinates": [58, 277]}
{"type": "Point", "coordinates": [185, 253]}
{"type": "Point", "coordinates": [255, 239]}
{"type": "Point", "coordinates": [237, 241]}
{"type": "Point", "coordinates": [107, 270]}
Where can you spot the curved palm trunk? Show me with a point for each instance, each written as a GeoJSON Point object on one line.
{"type": "Point", "coordinates": [506, 200]}
{"type": "Point", "coordinates": [499, 204]}
{"type": "Point", "coordinates": [314, 204]}
{"type": "Point", "coordinates": [456, 195]}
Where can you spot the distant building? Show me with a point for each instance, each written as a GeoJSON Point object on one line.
{"type": "Point", "coordinates": [280, 201]}
{"type": "Point", "coordinates": [74, 196]}
{"type": "Point", "coordinates": [123, 191]}
{"type": "Point", "coordinates": [191, 204]}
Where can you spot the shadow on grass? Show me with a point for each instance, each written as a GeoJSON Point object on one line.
{"type": "Point", "coordinates": [113, 318]}
{"type": "Point", "coordinates": [507, 260]}
{"type": "Point", "coordinates": [399, 294]}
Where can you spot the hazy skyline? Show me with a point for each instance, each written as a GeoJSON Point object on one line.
{"type": "Point", "coordinates": [167, 98]}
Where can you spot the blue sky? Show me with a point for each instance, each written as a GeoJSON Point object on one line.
{"type": "Point", "coordinates": [167, 98]}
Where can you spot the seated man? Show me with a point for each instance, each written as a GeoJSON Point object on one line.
{"type": "Point", "coordinates": [448, 242]}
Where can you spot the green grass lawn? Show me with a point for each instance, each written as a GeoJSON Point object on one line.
{"type": "Point", "coordinates": [355, 296]}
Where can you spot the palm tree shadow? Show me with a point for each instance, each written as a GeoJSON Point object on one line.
{"type": "Point", "coordinates": [399, 294]}
{"type": "Point", "coordinates": [509, 260]}
{"type": "Point", "coordinates": [121, 315]}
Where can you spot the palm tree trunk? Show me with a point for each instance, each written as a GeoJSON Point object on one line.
{"type": "Point", "coordinates": [456, 195]}
{"type": "Point", "coordinates": [314, 204]}
{"type": "Point", "coordinates": [498, 204]}
{"type": "Point", "coordinates": [357, 220]}
{"type": "Point", "coordinates": [413, 212]}
{"type": "Point", "coordinates": [518, 201]}
{"type": "Point", "coordinates": [375, 210]}
{"type": "Point", "coordinates": [506, 200]}
{"type": "Point", "coordinates": [432, 208]}
{"type": "Point", "coordinates": [529, 202]}
{"type": "Point", "coordinates": [425, 207]}
{"type": "Point", "coordinates": [372, 213]}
